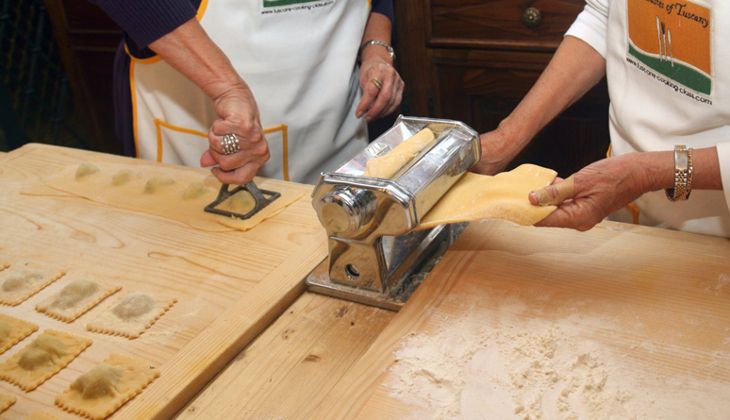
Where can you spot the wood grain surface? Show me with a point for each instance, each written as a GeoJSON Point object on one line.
{"type": "Point", "coordinates": [229, 285]}
{"type": "Point", "coordinates": [293, 365]}
{"type": "Point", "coordinates": [658, 299]}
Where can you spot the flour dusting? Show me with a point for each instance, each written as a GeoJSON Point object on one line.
{"type": "Point", "coordinates": [510, 367]}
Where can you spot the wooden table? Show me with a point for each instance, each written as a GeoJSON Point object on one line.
{"type": "Point", "coordinates": [230, 285]}
{"type": "Point", "coordinates": [522, 322]}
{"type": "Point", "coordinates": [653, 300]}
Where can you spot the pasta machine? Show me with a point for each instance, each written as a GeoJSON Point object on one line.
{"type": "Point", "coordinates": [376, 256]}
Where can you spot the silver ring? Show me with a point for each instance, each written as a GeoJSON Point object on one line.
{"type": "Point", "coordinates": [230, 144]}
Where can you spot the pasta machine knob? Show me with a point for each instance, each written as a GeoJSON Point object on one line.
{"type": "Point", "coordinates": [346, 210]}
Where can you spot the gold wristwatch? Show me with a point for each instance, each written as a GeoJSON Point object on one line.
{"type": "Point", "coordinates": [682, 174]}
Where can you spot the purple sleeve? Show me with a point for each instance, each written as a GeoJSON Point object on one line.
{"type": "Point", "coordinates": [384, 7]}
{"type": "Point", "coordinates": [145, 21]}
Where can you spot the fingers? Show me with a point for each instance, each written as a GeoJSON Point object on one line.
{"type": "Point", "coordinates": [239, 167]}
{"type": "Point", "coordinates": [554, 194]}
{"type": "Point", "coordinates": [577, 214]}
{"type": "Point", "coordinates": [238, 176]}
{"type": "Point", "coordinates": [369, 94]}
{"type": "Point", "coordinates": [382, 91]}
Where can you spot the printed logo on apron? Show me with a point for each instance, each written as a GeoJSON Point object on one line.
{"type": "Point", "coordinates": [670, 42]}
{"type": "Point", "coordinates": [283, 6]}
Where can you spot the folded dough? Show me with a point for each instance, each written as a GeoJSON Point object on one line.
{"type": "Point", "coordinates": [390, 163]}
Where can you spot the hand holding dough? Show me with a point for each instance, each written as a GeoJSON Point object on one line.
{"type": "Point", "coordinates": [503, 196]}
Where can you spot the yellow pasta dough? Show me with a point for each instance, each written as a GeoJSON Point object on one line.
{"type": "Point", "coordinates": [84, 170]}
{"type": "Point", "coordinates": [503, 196]}
{"type": "Point", "coordinates": [131, 315]}
{"type": "Point", "coordinates": [13, 331]}
{"type": "Point", "coordinates": [4, 265]}
{"type": "Point", "coordinates": [41, 415]}
{"type": "Point", "coordinates": [41, 359]}
{"type": "Point", "coordinates": [100, 392]}
{"type": "Point", "coordinates": [194, 190]}
{"type": "Point", "coordinates": [167, 192]}
{"type": "Point", "coordinates": [18, 285]}
{"type": "Point", "coordinates": [121, 177]}
{"type": "Point", "coordinates": [157, 183]}
{"type": "Point", "coordinates": [6, 400]}
{"type": "Point", "coordinates": [390, 163]}
{"type": "Point", "coordinates": [75, 299]}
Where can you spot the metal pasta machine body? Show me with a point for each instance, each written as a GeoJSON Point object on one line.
{"type": "Point", "coordinates": [375, 253]}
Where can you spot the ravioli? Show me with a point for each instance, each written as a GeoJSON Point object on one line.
{"type": "Point", "coordinates": [13, 331]}
{"type": "Point", "coordinates": [40, 360]}
{"type": "Point", "coordinates": [84, 170]}
{"type": "Point", "coordinates": [6, 400]}
{"type": "Point", "coordinates": [75, 299]}
{"type": "Point", "coordinates": [100, 392]}
{"type": "Point", "coordinates": [18, 286]}
{"type": "Point", "coordinates": [131, 315]}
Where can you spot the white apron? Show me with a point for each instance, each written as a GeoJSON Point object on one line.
{"type": "Point", "coordinates": [671, 89]}
{"type": "Point", "coordinates": [298, 57]}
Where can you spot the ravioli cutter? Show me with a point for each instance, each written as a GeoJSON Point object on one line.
{"type": "Point", "coordinates": [375, 256]}
{"type": "Point", "coordinates": [262, 198]}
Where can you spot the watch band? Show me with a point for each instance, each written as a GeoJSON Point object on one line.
{"type": "Point", "coordinates": [370, 42]}
{"type": "Point", "coordinates": [683, 170]}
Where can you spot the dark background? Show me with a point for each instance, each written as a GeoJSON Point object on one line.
{"type": "Point", "coordinates": [469, 60]}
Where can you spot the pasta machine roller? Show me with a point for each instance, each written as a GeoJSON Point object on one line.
{"type": "Point", "coordinates": [374, 252]}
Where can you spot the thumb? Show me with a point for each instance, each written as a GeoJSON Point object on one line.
{"type": "Point", "coordinates": [207, 159]}
{"type": "Point", "coordinates": [554, 194]}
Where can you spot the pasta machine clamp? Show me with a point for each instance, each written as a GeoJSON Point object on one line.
{"type": "Point", "coordinates": [376, 256]}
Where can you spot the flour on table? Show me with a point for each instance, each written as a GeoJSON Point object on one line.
{"type": "Point", "coordinates": [514, 368]}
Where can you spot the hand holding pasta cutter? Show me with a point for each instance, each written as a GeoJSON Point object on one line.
{"type": "Point", "coordinates": [261, 198]}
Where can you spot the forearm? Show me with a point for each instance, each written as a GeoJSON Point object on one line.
{"type": "Point", "coordinates": [658, 168]}
{"type": "Point", "coordinates": [378, 27]}
{"type": "Point", "coordinates": [190, 51]}
{"type": "Point", "coordinates": [574, 69]}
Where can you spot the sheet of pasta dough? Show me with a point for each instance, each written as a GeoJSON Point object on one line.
{"type": "Point", "coordinates": [390, 163]}
{"type": "Point", "coordinates": [503, 196]}
{"type": "Point", "coordinates": [179, 194]}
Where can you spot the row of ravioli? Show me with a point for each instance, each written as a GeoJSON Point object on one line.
{"type": "Point", "coordinates": [102, 390]}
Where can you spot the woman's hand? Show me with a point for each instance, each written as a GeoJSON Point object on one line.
{"type": "Point", "coordinates": [591, 194]}
{"type": "Point", "coordinates": [382, 87]}
{"type": "Point", "coordinates": [237, 114]}
{"type": "Point", "coordinates": [498, 150]}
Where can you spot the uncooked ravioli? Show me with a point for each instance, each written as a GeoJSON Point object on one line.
{"type": "Point", "coordinates": [41, 359]}
{"type": "Point", "coordinates": [100, 392]}
{"type": "Point", "coordinates": [157, 183]}
{"type": "Point", "coordinates": [13, 330]}
{"type": "Point", "coordinates": [17, 286]}
{"type": "Point", "coordinates": [194, 190]}
{"type": "Point", "coordinates": [131, 315]}
{"type": "Point", "coordinates": [75, 299]}
{"type": "Point", "coordinates": [86, 169]}
{"type": "Point", "coordinates": [6, 400]}
{"type": "Point", "coordinates": [122, 177]}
